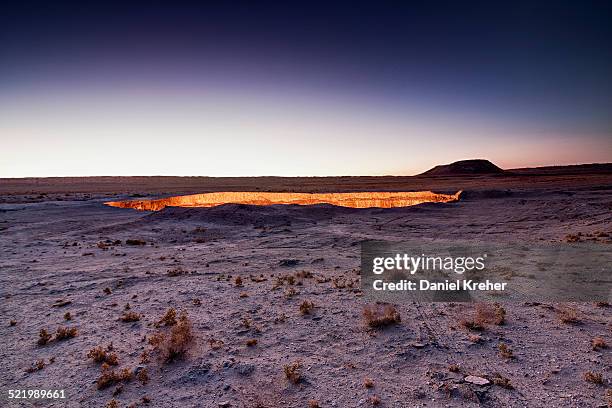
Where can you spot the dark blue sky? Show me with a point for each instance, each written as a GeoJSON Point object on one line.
{"type": "Point", "coordinates": [535, 70]}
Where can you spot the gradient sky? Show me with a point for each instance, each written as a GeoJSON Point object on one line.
{"type": "Point", "coordinates": [309, 88]}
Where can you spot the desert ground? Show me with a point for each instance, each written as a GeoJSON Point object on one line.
{"type": "Point", "coordinates": [272, 298]}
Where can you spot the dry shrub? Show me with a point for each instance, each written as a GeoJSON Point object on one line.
{"type": "Point", "coordinates": [12, 322]}
{"type": "Point", "coordinates": [178, 271]}
{"type": "Point", "coordinates": [381, 315]}
{"type": "Point", "coordinates": [454, 368]}
{"type": "Point", "coordinates": [598, 343]}
{"type": "Point", "coordinates": [43, 337]}
{"type": "Point", "coordinates": [501, 381]}
{"type": "Point", "coordinates": [129, 317]}
{"type": "Point", "coordinates": [37, 366]}
{"type": "Point", "coordinates": [107, 291]}
{"type": "Point", "coordinates": [306, 307]}
{"type": "Point", "coordinates": [313, 404]}
{"type": "Point", "coordinates": [292, 371]}
{"type": "Point", "coordinates": [475, 338]}
{"type": "Point", "coordinates": [238, 281]}
{"type": "Point", "coordinates": [215, 344]}
{"type": "Point", "coordinates": [487, 313]}
{"type": "Point", "coordinates": [174, 345]}
{"type": "Point", "coordinates": [135, 242]}
{"type": "Point", "coordinates": [505, 351]}
{"type": "Point", "coordinates": [595, 378]}
{"type": "Point", "coordinates": [197, 302]}
{"type": "Point", "coordinates": [244, 295]}
{"type": "Point", "coordinates": [110, 377]}
{"type": "Point", "coordinates": [143, 376]}
{"type": "Point", "coordinates": [290, 292]}
{"type": "Point", "coordinates": [144, 357]}
{"type": "Point", "coordinates": [471, 325]}
{"type": "Point", "coordinates": [281, 280]}
{"type": "Point", "coordinates": [257, 279]}
{"type": "Point", "coordinates": [67, 316]}
{"type": "Point", "coordinates": [246, 322]}
{"type": "Point", "coordinates": [169, 319]}
{"type": "Point", "coordinates": [568, 315]}
{"type": "Point", "coordinates": [251, 342]}
{"type": "Point", "coordinates": [368, 382]}
{"type": "Point", "coordinates": [374, 400]}
{"type": "Point", "coordinates": [304, 274]}
{"type": "Point", "coordinates": [112, 404]}
{"type": "Point", "coordinates": [101, 355]}
{"type": "Point", "coordinates": [65, 333]}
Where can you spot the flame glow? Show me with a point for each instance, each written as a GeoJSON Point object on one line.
{"type": "Point", "coordinates": [353, 200]}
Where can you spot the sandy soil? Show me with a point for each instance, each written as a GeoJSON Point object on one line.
{"type": "Point", "coordinates": [59, 244]}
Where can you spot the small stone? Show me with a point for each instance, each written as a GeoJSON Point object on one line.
{"type": "Point", "coordinates": [472, 379]}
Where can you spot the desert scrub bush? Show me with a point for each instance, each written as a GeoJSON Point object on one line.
{"type": "Point", "coordinates": [112, 404]}
{"type": "Point", "coordinates": [110, 377]}
{"type": "Point", "coordinates": [129, 316]}
{"type": "Point", "coordinates": [215, 344]}
{"type": "Point", "coordinates": [37, 366]}
{"type": "Point", "coordinates": [368, 382]}
{"type": "Point", "coordinates": [238, 281]}
{"type": "Point", "coordinates": [598, 343]}
{"type": "Point", "coordinates": [595, 378]}
{"type": "Point", "coordinates": [505, 351]}
{"type": "Point", "coordinates": [169, 319]}
{"type": "Point", "coordinates": [501, 381]}
{"type": "Point", "coordinates": [251, 342]}
{"type": "Point", "coordinates": [313, 404]}
{"type": "Point", "coordinates": [374, 400]}
{"type": "Point", "coordinates": [65, 333]}
{"type": "Point", "coordinates": [257, 279]}
{"type": "Point", "coordinates": [176, 343]}
{"type": "Point", "coordinates": [454, 368]}
{"type": "Point", "coordinates": [292, 371]}
{"type": "Point", "coordinates": [67, 316]}
{"type": "Point", "coordinates": [143, 376]}
{"type": "Point", "coordinates": [471, 325]}
{"type": "Point", "coordinates": [107, 291]}
{"type": "Point", "coordinates": [43, 337]}
{"type": "Point", "coordinates": [568, 315]}
{"type": "Point", "coordinates": [101, 355]}
{"type": "Point", "coordinates": [304, 274]}
{"type": "Point", "coordinates": [381, 315]}
{"type": "Point", "coordinates": [290, 292]}
{"type": "Point", "coordinates": [306, 307]}
{"type": "Point", "coordinates": [144, 357]}
{"type": "Point", "coordinates": [487, 313]}
{"type": "Point", "coordinates": [12, 322]}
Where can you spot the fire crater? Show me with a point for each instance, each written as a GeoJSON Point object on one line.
{"type": "Point", "coordinates": [352, 200]}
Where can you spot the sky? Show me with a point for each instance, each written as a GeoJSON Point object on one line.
{"type": "Point", "coordinates": [301, 88]}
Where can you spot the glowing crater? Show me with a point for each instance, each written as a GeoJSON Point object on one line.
{"type": "Point", "coordinates": [353, 200]}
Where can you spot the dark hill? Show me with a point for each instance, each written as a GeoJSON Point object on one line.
{"type": "Point", "coordinates": [463, 167]}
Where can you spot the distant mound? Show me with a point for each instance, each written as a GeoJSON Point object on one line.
{"type": "Point", "coordinates": [463, 167]}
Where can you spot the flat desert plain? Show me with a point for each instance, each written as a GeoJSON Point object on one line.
{"type": "Point", "coordinates": [267, 299]}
